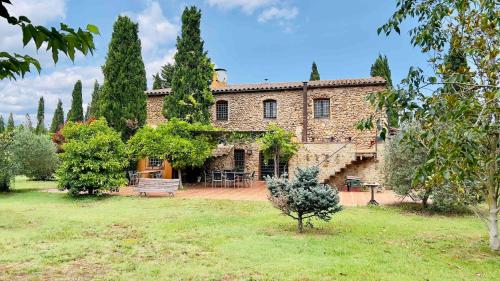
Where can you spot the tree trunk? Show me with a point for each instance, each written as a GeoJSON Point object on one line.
{"type": "Point", "coordinates": [493, 219]}
{"type": "Point", "coordinates": [300, 225]}
{"type": "Point", "coordinates": [179, 171]}
{"type": "Point", "coordinates": [276, 166]}
{"type": "Point", "coordinates": [425, 199]}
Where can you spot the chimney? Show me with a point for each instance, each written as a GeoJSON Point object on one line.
{"type": "Point", "coordinates": [220, 78]}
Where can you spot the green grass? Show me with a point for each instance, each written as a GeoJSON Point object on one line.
{"type": "Point", "coordinates": [48, 236]}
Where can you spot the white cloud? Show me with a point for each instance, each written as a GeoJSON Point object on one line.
{"type": "Point", "coordinates": [21, 96]}
{"type": "Point", "coordinates": [157, 34]}
{"type": "Point", "coordinates": [280, 11]}
{"type": "Point", "coordinates": [248, 6]}
{"type": "Point", "coordinates": [280, 14]}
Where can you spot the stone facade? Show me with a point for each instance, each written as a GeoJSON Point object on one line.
{"type": "Point", "coordinates": [324, 136]}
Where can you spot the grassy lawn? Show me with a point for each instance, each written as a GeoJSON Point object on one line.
{"type": "Point", "coordinates": [48, 236]}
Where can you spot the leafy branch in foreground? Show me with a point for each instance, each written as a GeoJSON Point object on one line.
{"type": "Point", "coordinates": [65, 39]}
{"type": "Point", "coordinates": [459, 106]}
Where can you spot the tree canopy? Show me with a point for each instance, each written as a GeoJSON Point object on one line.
{"type": "Point", "coordinates": [10, 123]}
{"type": "Point", "coordinates": [65, 39]}
{"type": "Point", "coordinates": [191, 97]}
{"type": "Point", "coordinates": [122, 100]}
{"type": "Point", "coordinates": [277, 144]}
{"type": "Point", "coordinates": [94, 107]}
{"type": "Point", "coordinates": [460, 128]}
{"type": "Point", "coordinates": [381, 68]}
{"type": "Point", "coordinates": [58, 118]}
{"type": "Point", "coordinates": [40, 117]}
{"type": "Point", "coordinates": [2, 125]}
{"type": "Point", "coordinates": [75, 113]}
{"type": "Point", "coordinates": [181, 143]}
{"type": "Point", "coordinates": [314, 73]}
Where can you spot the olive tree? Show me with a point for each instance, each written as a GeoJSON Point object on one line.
{"type": "Point", "coordinates": [303, 197]}
{"type": "Point", "coordinates": [34, 155]}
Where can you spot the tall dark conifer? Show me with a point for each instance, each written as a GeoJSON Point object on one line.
{"type": "Point", "coordinates": [157, 83]}
{"type": "Point", "coordinates": [10, 123]}
{"type": "Point", "coordinates": [75, 113]}
{"type": "Point", "coordinates": [122, 99]}
{"type": "Point", "coordinates": [93, 108]}
{"type": "Point", "coordinates": [314, 73]}
{"type": "Point", "coordinates": [58, 119]}
{"type": "Point", "coordinates": [40, 117]}
{"type": "Point", "coordinates": [381, 68]}
{"type": "Point", "coordinates": [28, 124]}
{"type": "Point", "coordinates": [2, 125]}
{"type": "Point", "coordinates": [167, 71]}
{"type": "Point", "coordinates": [191, 96]}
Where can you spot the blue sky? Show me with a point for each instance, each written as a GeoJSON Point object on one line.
{"type": "Point", "coordinates": [253, 39]}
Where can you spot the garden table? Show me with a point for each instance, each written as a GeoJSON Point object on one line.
{"type": "Point", "coordinates": [372, 186]}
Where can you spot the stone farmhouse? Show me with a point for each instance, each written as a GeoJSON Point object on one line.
{"type": "Point", "coordinates": [322, 115]}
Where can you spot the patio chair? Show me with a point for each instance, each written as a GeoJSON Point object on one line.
{"type": "Point", "coordinates": [229, 177]}
{"type": "Point", "coordinates": [249, 178]}
{"type": "Point", "coordinates": [157, 175]}
{"type": "Point", "coordinates": [217, 178]}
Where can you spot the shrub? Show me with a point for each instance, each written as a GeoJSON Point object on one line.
{"type": "Point", "coordinates": [6, 167]}
{"type": "Point", "coordinates": [304, 197]}
{"type": "Point", "coordinates": [402, 161]}
{"type": "Point", "coordinates": [93, 158]}
{"type": "Point", "coordinates": [33, 155]}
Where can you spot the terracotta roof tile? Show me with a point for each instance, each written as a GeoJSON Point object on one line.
{"type": "Point", "coordinates": [240, 88]}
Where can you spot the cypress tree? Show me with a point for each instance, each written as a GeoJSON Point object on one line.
{"type": "Point", "coordinates": [75, 113]}
{"type": "Point", "coordinates": [191, 96]}
{"type": "Point", "coordinates": [314, 73]}
{"type": "Point", "coordinates": [10, 123]}
{"type": "Point", "coordinates": [40, 117]}
{"type": "Point", "coordinates": [58, 119]}
{"type": "Point", "coordinates": [93, 108]}
{"type": "Point", "coordinates": [167, 71]}
{"type": "Point", "coordinates": [27, 123]}
{"type": "Point", "coordinates": [2, 125]}
{"type": "Point", "coordinates": [122, 99]}
{"type": "Point", "coordinates": [381, 68]}
{"type": "Point", "coordinates": [157, 83]}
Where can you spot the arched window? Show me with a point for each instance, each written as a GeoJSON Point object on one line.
{"type": "Point", "coordinates": [270, 109]}
{"type": "Point", "coordinates": [221, 110]}
{"type": "Point", "coordinates": [322, 108]}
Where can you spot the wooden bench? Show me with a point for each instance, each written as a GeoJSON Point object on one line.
{"type": "Point", "coordinates": [146, 186]}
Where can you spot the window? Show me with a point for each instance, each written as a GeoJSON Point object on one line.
{"type": "Point", "coordinates": [239, 159]}
{"type": "Point", "coordinates": [221, 110]}
{"type": "Point", "coordinates": [270, 109]}
{"type": "Point", "coordinates": [321, 108]}
{"type": "Point", "coordinates": [155, 162]}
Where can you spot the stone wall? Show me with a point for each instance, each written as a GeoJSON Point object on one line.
{"type": "Point", "coordinates": [246, 111]}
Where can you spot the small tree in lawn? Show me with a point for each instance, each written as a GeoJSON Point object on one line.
{"type": "Point", "coordinates": [93, 158]}
{"type": "Point", "coordinates": [277, 144]}
{"type": "Point", "coordinates": [304, 197]}
{"type": "Point", "coordinates": [181, 143]}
